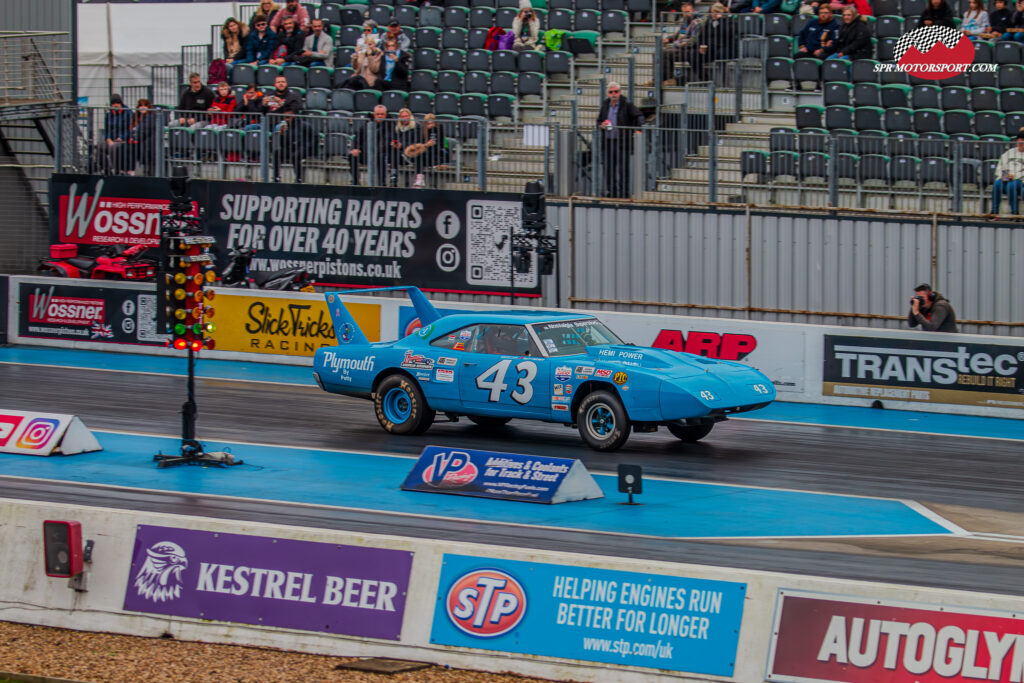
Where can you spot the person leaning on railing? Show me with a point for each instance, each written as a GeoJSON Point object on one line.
{"type": "Point", "coordinates": [117, 129]}
{"type": "Point", "coordinates": [145, 136]}
{"type": "Point", "coordinates": [195, 99]}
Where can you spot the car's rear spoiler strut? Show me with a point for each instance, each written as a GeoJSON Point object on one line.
{"type": "Point", "coordinates": [345, 326]}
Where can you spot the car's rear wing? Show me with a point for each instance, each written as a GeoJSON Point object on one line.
{"type": "Point", "coordinates": [347, 330]}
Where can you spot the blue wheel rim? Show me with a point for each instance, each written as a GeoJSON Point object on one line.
{"type": "Point", "coordinates": [397, 405]}
{"type": "Point", "coordinates": [600, 420]}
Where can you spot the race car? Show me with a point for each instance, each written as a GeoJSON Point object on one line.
{"type": "Point", "coordinates": [551, 366]}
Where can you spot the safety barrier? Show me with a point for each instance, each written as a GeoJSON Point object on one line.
{"type": "Point", "coordinates": [937, 372]}
{"type": "Point", "coordinates": [495, 608]}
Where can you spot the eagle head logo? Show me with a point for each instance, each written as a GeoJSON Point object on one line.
{"type": "Point", "coordinates": [159, 577]}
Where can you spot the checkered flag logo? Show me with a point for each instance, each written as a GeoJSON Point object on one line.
{"type": "Point", "coordinates": [924, 39]}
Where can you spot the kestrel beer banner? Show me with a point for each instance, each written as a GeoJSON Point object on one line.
{"type": "Point", "coordinates": [365, 237]}
{"type": "Point", "coordinates": [965, 373]}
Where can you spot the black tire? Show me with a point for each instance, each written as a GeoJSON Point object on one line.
{"type": "Point", "coordinates": [485, 421]}
{"type": "Point", "coordinates": [400, 406]}
{"type": "Point", "coordinates": [602, 421]}
{"type": "Point", "coordinates": [691, 433]}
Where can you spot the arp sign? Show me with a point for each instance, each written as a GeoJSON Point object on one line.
{"type": "Point", "coordinates": [727, 346]}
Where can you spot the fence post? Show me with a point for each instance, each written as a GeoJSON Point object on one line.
{"type": "Point", "coordinates": [160, 161]}
{"type": "Point", "coordinates": [552, 155]}
{"type": "Point", "coordinates": [958, 177]}
{"type": "Point", "coordinates": [58, 154]}
{"type": "Point", "coordinates": [264, 149]}
{"type": "Point", "coordinates": [712, 167]}
{"type": "Point", "coordinates": [659, 71]}
{"type": "Point", "coordinates": [481, 156]}
{"type": "Point", "coordinates": [630, 77]}
{"type": "Point", "coordinates": [596, 153]}
{"type": "Point", "coordinates": [737, 92]}
{"type": "Point", "coordinates": [833, 177]}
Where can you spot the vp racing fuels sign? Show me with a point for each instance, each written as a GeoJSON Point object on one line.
{"type": "Point", "coordinates": [444, 240]}
{"type": "Point", "coordinates": [964, 373]}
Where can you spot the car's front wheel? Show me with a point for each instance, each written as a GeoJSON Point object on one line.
{"type": "Point", "coordinates": [691, 433]}
{"type": "Point", "coordinates": [400, 406]}
{"type": "Point", "coordinates": [602, 421]}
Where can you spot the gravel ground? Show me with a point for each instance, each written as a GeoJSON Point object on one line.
{"type": "Point", "coordinates": [106, 658]}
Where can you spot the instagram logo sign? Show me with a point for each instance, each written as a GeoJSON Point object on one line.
{"type": "Point", "coordinates": [38, 433]}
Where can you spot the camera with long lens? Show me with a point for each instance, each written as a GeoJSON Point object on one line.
{"type": "Point", "coordinates": [920, 301]}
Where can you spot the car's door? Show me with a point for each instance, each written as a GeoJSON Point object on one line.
{"type": "Point", "coordinates": [503, 373]}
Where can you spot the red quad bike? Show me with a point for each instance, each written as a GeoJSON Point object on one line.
{"type": "Point", "coordinates": [118, 262]}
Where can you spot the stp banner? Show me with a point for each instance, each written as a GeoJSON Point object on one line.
{"type": "Point", "coordinates": [290, 325]}
{"type": "Point", "coordinates": [596, 615]}
{"type": "Point", "coordinates": [362, 237]}
{"type": "Point", "coordinates": [855, 640]}
{"type": "Point", "coordinates": [965, 373]}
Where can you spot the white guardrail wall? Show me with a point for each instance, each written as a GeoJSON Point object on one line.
{"type": "Point", "coordinates": [740, 625]}
{"type": "Point", "coordinates": [905, 369]}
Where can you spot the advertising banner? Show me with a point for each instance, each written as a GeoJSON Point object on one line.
{"type": "Point", "coordinates": [363, 237]}
{"type": "Point", "coordinates": [506, 476]}
{"type": "Point", "coordinates": [79, 310]}
{"type": "Point", "coordinates": [294, 326]}
{"type": "Point", "coordinates": [44, 434]}
{"type": "Point", "coordinates": [855, 640]}
{"type": "Point", "coordinates": [340, 589]}
{"type": "Point", "coordinates": [965, 373]}
{"type": "Point", "coordinates": [598, 615]}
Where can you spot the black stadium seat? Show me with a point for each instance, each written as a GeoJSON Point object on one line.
{"type": "Point", "coordinates": [867, 95]}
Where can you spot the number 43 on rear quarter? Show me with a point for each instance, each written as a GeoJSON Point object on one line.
{"type": "Point", "coordinates": [551, 366]}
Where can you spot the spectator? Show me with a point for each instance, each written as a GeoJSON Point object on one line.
{"type": "Point", "coordinates": [394, 67]}
{"type": "Point", "coordinates": [1010, 171]}
{"type": "Point", "coordinates": [196, 99]}
{"type": "Point", "coordinates": [975, 22]}
{"type": "Point", "coordinates": [297, 141]}
{"type": "Point", "coordinates": [373, 143]}
{"type": "Point", "coordinates": [395, 31]}
{"type": "Point", "coordinates": [283, 101]}
{"type": "Point", "coordinates": [268, 9]}
{"type": "Point", "coordinates": [318, 48]}
{"type": "Point", "coordinates": [815, 34]}
{"type": "Point", "coordinates": [998, 19]}
{"type": "Point", "coordinates": [937, 13]}
{"type": "Point", "coordinates": [759, 6]}
{"type": "Point", "coordinates": [292, 9]}
{"type": "Point", "coordinates": [117, 129]}
{"type": "Point", "coordinates": [224, 102]}
{"type": "Point", "coordinates": [715, 41]}
{"type": "Point", "coordinates": [862, 6]}
{"type": "Point", "coordinates": [252, 108]}
{"type": "Point", "coordinates": [1015, 25]}
{"type": "Point", "coordinates": [261, 43]}
{"type": "Point", "coordinates": [931, 311]}
{"type": "Point", "coordinates": [677, 43]}
{"type": "Point", "coordinates": [428, 151]}
{"type": "Point", "coordinates": [619, 120]}
{"type": "Point", "coordinates": [853, 40]}
{"type": "Point", "coordinates": [366, 63]}
{"type": "Point", "coordinates": [289, 43]}
{"type": "Point", "coordinates": [370, 31]}
{"type": "Point", "coordinates": [525, 28]}
{"type": "Point", "coordinates": [234, 37]}
{"type": "Point", "coordinates": [404, 137]}
{"type": "Point", "coordinates": [145, 136]}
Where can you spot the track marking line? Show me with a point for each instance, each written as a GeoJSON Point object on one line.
{"type": "Point", "coordinates": [883, 429]}
{"type": "Point", "coordinates": [928, 513]}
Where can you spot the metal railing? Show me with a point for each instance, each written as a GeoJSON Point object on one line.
{"type": "Point", "coordinates": [37, 67]}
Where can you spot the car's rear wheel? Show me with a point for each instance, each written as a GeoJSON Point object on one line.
{"type": "Point", "coordinates": [486, 421]}
{"type": "Point", "coordinates": [400, 406]}
{"type": "Point", "coordinates": [602, 421]}
{"type": "Point", "coordinates": [691, 433]}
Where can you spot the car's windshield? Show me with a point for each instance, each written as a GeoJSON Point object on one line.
{"type": "Point", "coordinates": [567, 337]}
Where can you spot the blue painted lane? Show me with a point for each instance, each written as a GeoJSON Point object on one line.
{"type": "Point", "coordinates": [364, 481]}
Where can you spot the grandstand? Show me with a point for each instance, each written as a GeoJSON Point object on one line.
{"type": "Point", "coordinates": [758, 124]}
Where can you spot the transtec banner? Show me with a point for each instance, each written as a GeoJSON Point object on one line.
{"type": "Point", "coordinates": [77, 310]}
{"type": "Point", "coordinates": [856, 640]}
{"type": "Point", "coordinates": [261, 323]}
{"type": "Point", "coordinates": [349, 236]}
{"type": "Point", "coordinates": [278, 582]}
{"type": "Point", "coordinates": [964, 373]}
{"type": "Point", "coordinates": [597, 615]}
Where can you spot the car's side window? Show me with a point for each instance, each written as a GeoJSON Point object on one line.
{"type": "Point", "coordinates": [459, 340]}
{"type": "Point", "coordinates": [503, 340]}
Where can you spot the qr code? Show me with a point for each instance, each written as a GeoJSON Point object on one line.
{"type": "Point", "coordinates": [147, 320]}
{"type": "Point", "coordinates": [489, 227]}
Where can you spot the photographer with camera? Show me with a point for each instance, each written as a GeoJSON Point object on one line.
{"type": "Point", "coordinates": [525, 28]}
{"type": "Point", "coordinates": [931, 311]}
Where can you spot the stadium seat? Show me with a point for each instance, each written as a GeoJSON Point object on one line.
{"type": "Point", "coordinates": [342, 58]}
{"type": "Point", "coordinates": [933, 145]}
{"type": "Point", "coordinates": [873, 167]}
{"type": "Point", "coordinates": [961, 121]}
{"type": "Point", "coordinates": [904, 169]}
{"type": "Point", "coordinates": [812, 140]}
{"type": "Point", "coordinates": [983, 79]}
{"type": "Point", "coordinates": [380, 13]}
{"type": "Point", "coordinates": [481, 17]}
{"type": "Point", "coordinates": [867, 118]}
{"type": "Point", "coordinates": [985, 98]}
{"type": "Point", "coordinates": [587, 4]}
{"type": "Point", "coordinates": [426, 58]}
{"type": "Point", "coordinates": [454, 36]}
{"type": "Point", "coordinates": [845, 140]}
{"type": "Point", "coordinates": [895, 95]}
{"type": "Point", "coordinates": [531, 60]}
{"type": "Point", "coordinates": [366, 100]}
{"type": "Point", "coordinates": [924, 121]}
{"type": "Point", "coordinates": [394, 100]}
{"type": "Point", "coordinates": [423, 80]}
{"type": "Point", "coordinates": [837, 93]}
{"type": "Point", "coordinates": [835, 70]}
{"type": "Point", "coordinates": [838, 116]}
{"type": "Point", "coordinates": [450, 81]}
{"type": "Point", "coordinates": [531, 83]}
{"type": "Point", "coordinates": [482, 3]}
{"type": "Point", "coordinates": [783, 164]}
{"type": "Point", "coordinates": [754, 162]}
{"type": "Point", "coordinates": [503, 83]}
{"type": "Point", "coordinates": [452, 59]}
{"type": "Point", "coordinates": [352, 15]}
{"type": "Point", "coordinates": [911, 8]}
{"type": "Point", "coordinates": [807, 70]}
{"type": "Point", "coordinates": [900, 118]}
{"type": "Point", "coordinates": [506, 15]}
{"type": "Point", "coordinates": [561, 19]}
{"type": "Point", "coordinates": [456, 16]}
{"type": "Point", "coordinates": [407, 15]}
{"type": "Point", "coordinates": [748, 24]}
{"type": "Point", "coordinates": [872, 142]}
{"type": "Point", "coordinates": [555, 61]}
{"type": "Point", "coordinates": [903, 142]}
{"type": "Point", "coordinates": [798, 21]}
{"type": "Point", "coordinates": [446, 103]}
{"type": "Point", "coordinates": [421, 102]}
{"type": "Point", "coordinates": [886, 7]}
{"type": "Point", "coordinates": [320, 77]}
{"type": "Point", "coordinates": [501, 105]}
{"type": "Point", "coordinates": [985, 123]}
{"type": "Point", "coordinates": [867, 95]}
{"type": "Point", "coordinates": [591, 37]}
{"type": "Point", "coordinates": [782, 139]}
{"type": "Point", "coordinates": [251, 144]}
{"type": "Point", "coordinates": [956, 97]}
{"type": "Point", "coordinates": [473, 104]}
{"type": "Point", "coordinates": [349, 36]}
{"type": "Point", "coordinates": [243, 74]}
{"type": "Point", "coordinates": [586, 19]}
{"type": "Point", "coordinates": [295, 75]}
{"type": "Point", "coordinates": [476, 82]}
{"type": "Point", "coordinates": [479, 60]}
{"type": "Point", "coordinates": [885, 50]}
{"type": "Point", "coordinates": [431, 15]}
{"type": "Point", "coordinates": [1013, 123]}
{"type": "Point", "coordinates": [991, 147]}
{"type": "Point", "coordinates": [967, 143]}
{"type": "Point", "coordinates": [778, 71]}
{"type": "Point", "coordinates": [1010, 99]}
{"type": "Point", "coordinates": [330, 13]}
{"type": "Point", "coordinates": [863, 71]}
{"type": "Point", "coordinates": [338, 121]}
{"type": "Point", "coordinates": [1009, 76]}
{"type": "Point", "coordinates": [812, 165]}
{"type": "Point", "coordinates": [318, 98]}
{"type": "Point", "coordinates": [983, 52]}
{"type": "Point", "coordinates": [809, 115]}
{"type": "Point", "coordinates": [777, 25]}
{"type": "Point", "coordinates": [477, 38]}
{"type": "Point", "coordinates": [893, 77]}
{"type": "Point", "coordinates": [344, 100]}
{"type": "Point", "coordinates": [958, 80]}
{"type": "Point", "coordinates": [266, 74]}
{"type": "Point", "coordinates": [1007, 52]}
{"type": "Point", "coordinates": [341, 75]}
{"type": "Point", "coordinates": [504, 60]}
{"type": "Point", "coordinates": [179, 142]}
{"type": "Point", "coordinates": [889, 26]}
{"type": "Point", "coordinates": [846, 166]}
{"type": "Point", "coordinates": [925, 97]}
{"type": "Point", "coordinates": [780, 46]}
{"type": "Point", "coordinates": [560, 4]}
{"type": "Point", "coordinates": [427, 36]}
{"type": "Point", "coordinates": [613, 21]}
